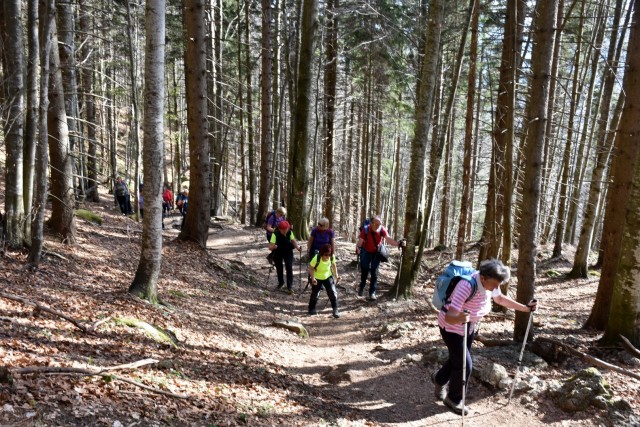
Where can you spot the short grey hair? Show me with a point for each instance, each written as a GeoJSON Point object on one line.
{"type": "Point", "coordinates": [494, 269]}
{"type": "Point", "coordinates": [282, 211]}
{"type": "Point", "coordinates": [324, 221]}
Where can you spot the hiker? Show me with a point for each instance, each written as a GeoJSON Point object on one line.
{"type": "Point", "coordinates": [324, 273]}
{"type": "Point", "coordinates": [282, 244]}
{"type": "Point", "coordinates": [167, 200]}
{"type": "Point", "coordinates": [273, 219]}
{"type": "Point", "coordinates": [121, 193]}
{"type": "Point", "coordinates": [320, 236]}
{"type": "Point", "coordinates": [141, 201]}
{"type": "Point", "coordinates": [452, 318]}
{"type": "Point", "coordinates": [182, 201]}
{"type": "Point", "coordinates": [367, 248]}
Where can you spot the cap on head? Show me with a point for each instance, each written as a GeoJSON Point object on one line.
{"type": "Point", "coordinates": [283, 226]}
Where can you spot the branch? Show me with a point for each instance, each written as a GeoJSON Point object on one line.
{"type": "Point", "coordinates": [92, 328]}
{"type": "Point", "coordinates": [629, 347]}
{"type": "Point", "coordinates": [590, 359]}
{"type": "Point", "coordinates": [104, 372]}
{"type": "Point", "coordinates": [44, 308]}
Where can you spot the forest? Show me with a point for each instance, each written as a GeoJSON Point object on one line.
{"type": "Point", "coordinates": [483, 129]}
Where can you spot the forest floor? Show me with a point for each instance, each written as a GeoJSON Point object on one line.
{"type": "Point", "coordinates": [232, 367]}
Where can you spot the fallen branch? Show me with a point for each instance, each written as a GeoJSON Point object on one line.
{"type": "Point", "coordinates": [97, 323]}
{"type": "Point", "coordinates": [590, 359]}
{"type": "Point", "coordinates": [41, 307]}
{"type": "Point", "coordinates": [629, 347]}
{"type": "Point", "coordinates": [105, 372]}
{"type": "Point", "coordinates": [488, 342]}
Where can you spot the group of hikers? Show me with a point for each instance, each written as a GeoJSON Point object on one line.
{"type": "Point", "coordinates": [322, 268]}
{"type": "Point", "coordinates": [123, 199]}
{"type": "Point", "coordinates": [458, 319]}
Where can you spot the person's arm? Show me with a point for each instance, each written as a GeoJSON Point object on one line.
{"type": "Point", "coordinates": [310, 241]}
{"type": "Point", "coordinates": [455, 317]}
{"type": "Point", "coordinates": [295, 244]}
{"type": "Point", "coordinates": [506, 301]}
{"type": "Point", "coordinates": [334, 267]}
{"type": "Point", "coordinates": [312, 270]}
{"type": "Point", "coordinates": [272, 242]}
{"type": "Point", "coordinates": [389, 240]}
{"type": "Point", "coordinates": [359, 245]}
{"type": "Point", "coordinates": [271, 224]}
{"type": "Point", "coordinates": [455, 314]}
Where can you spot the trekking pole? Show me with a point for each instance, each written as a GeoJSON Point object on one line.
{"type": "Point", "coordinates": [399, 275]}
{"type": "Point", "coordinates": [464, 365]}
{"type": "Point", "coordinates": [269, 276]}
{"type": "Point", "coordinates": [524, 343]}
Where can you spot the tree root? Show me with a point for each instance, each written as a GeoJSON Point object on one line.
{"type": "Point", "coordinates": [629, 347]}
{"type": "Point", "coordinates": [590, 359]}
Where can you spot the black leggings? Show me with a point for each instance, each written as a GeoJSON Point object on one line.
{"type": "Point", "coordinates": [330, 287]}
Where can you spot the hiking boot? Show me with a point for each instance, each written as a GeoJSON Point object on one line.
{"type": "Point", "coordinates": [457, 408]}
{"type": "Point", "coordinates": [312, 312]}
{"type": "Point", "coordinates": [440, 391]}
{"type": "Point", "coordinates": [290, 291]}
{"type": "Point", "coordinates": [336, 314]}
{"type": "Point", "coordinates": [373, 297]}
{"type": "Point", "coordinates": [280, 285]}
{"type": "Point", "coordinates": [361, 292]}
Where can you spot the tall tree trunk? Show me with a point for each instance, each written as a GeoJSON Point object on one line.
{"type": "Point", "coordinates": [144, 283]}
{"type": "Point", "coordinates": [298, 151]}
{"type": "Point", "coordinates": [253, 180]}
{"type": "Point", "coordinates": [92, 192]}
{"type": "Point", "coordinates": [196, 224]}
{"type": "Point", "coordinates": [266, 141]}
{"type": "Point", "coordinates": [31, 124]}
{"type": "Point", "coordinates": [330, 75]}
{"type": "Point", "coordinates": [563, 199]}
{"type": "Point", "coordinates": [14, 125]}
{"type": "Point", "coordinates": [465, 205]}
{"type": "Point", "coordinates": [424, 108]}
{"type": "Point", "coordinates": [541, 56]}
{"type": "Point", "coordinates": [63, 201]}
{"type": "Point", "coordinates": [46, 12]}
{"type": "Point", "coordinates": [625, 301]}
{"type": "Point", "coordinates": [602, 152]}
{"type": "Point", "coordinates": [66, 49]}
{"type": "Point", "coordinates": [625, 159]}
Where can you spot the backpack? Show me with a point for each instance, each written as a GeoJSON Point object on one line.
{"type": "Point", "coordinates": [447, 281]}
{"type": "Point", "coordinates": [267, 218]}
{"type": "Point", "coordinates": [317, 254]}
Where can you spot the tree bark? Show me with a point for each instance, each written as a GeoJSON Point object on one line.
{"type": "Point", "coordinates": [625, 299]}
{"type": "Point", "coordinates": [298, 152]}
{"type": "Point", "coordinates": [266, 141]}
{"type": "Point", "coordinates": [63, 200]}
{"type": "Point", "coordinates": [424, 107]}
{"type": "Point", "coordinates": [144, 283]}
{"type": "Point", "coordinates": [46, 12]}
{"type": "Point", "coordinates": [196, 224]}
{"type": "Point", "coordinates": [541, 56]}
{"type": "Point", "coordinates": [14, 125]}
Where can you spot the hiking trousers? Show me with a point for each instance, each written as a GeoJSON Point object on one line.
{"type": "Point", "coordinates": [287, 256]}
{"type": "Point", "coordinates": [369, 262]}
{"type": "Point", "coordinates": [451, 371]}
{"type": "Point", "coordinates": [330, 286]}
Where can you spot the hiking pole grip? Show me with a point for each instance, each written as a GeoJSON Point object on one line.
{"type": "Point", "coordinates": [524, 344]}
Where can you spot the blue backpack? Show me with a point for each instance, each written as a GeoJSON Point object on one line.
{"type": "Point", "coordinates": [447, 281]}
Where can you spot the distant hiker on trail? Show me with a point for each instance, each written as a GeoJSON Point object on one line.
{"type": "Point", "coordinates": [167, 200]}
{"type": "Point", "coordinates": [122, 195]}
{"type": "Point", "coordinates": [141, 201]}
{"type": "Point", "coordinates": [274, 218]}
{"type": "Point", "coordinates": [320, 236]}
{"type": "Point", "coordinates": [282, 244]}
{"type": "Point", "coordinates": [371, 237]}
{"type": "Point", "coordinates": [323, 271]}
{"type": "Point", "coordinates": [452, 320]}
{"type": "Point", "coordinates": [182, 202]}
